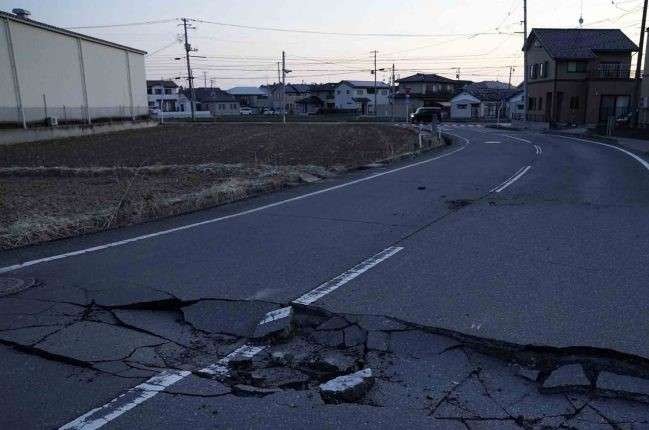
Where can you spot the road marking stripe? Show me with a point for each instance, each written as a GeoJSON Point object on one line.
{"type": "Point", "coordinates": [102, 415]}
{"type": "Point", "coordinates": [511, 180]}
{"type": "Point", "coordinates": [539, 150]}
{"type": "Point", "coordinates": [517, 138]}
{"type": "Point", "coordinates": [276, 315]}
{"type": "Point", "coordinates": [220, 368]}
{"type": "Point", "coordinates": [347, 276]}
{"type": "Point", "coordinates": [226, 217]}
{"type": "Point", "coordinates": [493, 141]}
{"type": "Point", "coordinates": [640, 160]}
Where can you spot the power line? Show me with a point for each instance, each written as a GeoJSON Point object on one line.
{"type": "Point", "coordinates": [130, 24]}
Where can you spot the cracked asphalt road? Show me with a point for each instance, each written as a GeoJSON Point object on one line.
{"type": "Point", "coordinates": [488, 287]}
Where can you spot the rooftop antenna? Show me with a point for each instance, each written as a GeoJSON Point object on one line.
{"type": "Point", "coordinates": [581, 15]}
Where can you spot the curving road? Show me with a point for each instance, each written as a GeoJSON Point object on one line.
{"type": "Point", "coordinates": [518, 237]}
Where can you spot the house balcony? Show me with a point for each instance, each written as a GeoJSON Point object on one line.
{"type": "Point", "coordinates": [615, 71]}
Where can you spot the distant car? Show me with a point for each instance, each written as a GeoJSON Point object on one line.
{"type": "Point", "coordinates": [154, 111]}
{"type": "Point", "coordinates": [269, 111]}
{"type": "Point", "coordinates": [425, 115]}
{"type": "Point", "coordinates": [246, 111]}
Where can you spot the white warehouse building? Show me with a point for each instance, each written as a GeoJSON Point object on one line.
{"type": "Point", "coordinates": [51, 74]}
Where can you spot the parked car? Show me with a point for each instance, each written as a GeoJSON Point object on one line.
{"type": "Point", "coordinates": [246, 111]}
{"type": "Point", "coordinates": [154, 111]}
{"type": "Point", "coordinates": [269, 111]}
{"type": "Point", "coordinates": [425, 115]}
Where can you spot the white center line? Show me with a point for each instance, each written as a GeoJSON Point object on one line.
{"type": "Point", "coordinates": [644, 163]}
{"type": "Point", "coordinates": [276, 315]}
{"type": "Point", "coordinates": [102, 415]}
{"type": "Point", "coordinates": [347, 276]}
{"type": "Point", "coordinates": [539, 150]}
{"type": "Point", "coordinates": [517, 138]}
{"type": "Point", "coordinates": [226, 217]}
{"type": "Point", "coordinates": [511, 180]}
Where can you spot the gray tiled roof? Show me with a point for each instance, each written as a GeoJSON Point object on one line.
{"type": "Point", "coordinates": [426, 77]}
{"type": "Point", "coordinates": [490, 91]}
{"type": "Point", "coordinates": [206, 95]}
{"type": "Point", "coordinates": [159, 83]}
{"type": "Point", "coordinates": [580, 44]}
{"type": "Point", "coordinates": [366, 84]}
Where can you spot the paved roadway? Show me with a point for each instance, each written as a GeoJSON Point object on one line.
{"type": "Point", "coordinates": [518, 237]}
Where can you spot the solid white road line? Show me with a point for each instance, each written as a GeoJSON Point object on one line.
{"type": "Point", "coordinates": [640, 160]}
{"type": "Point", "coordinates": [539, 150]}
{"type": "Point", "coordinates": [103, 415]}
{"type": "Point", "coordinates": [511, 180]}
{"type": "Point", "coordinates": [347, 276]}
{"type": "Point", "coordinates": [226, 217]}
{"type": "Point", "coordinates": [493, 141]}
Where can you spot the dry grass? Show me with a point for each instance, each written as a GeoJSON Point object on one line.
{"type": "Point", "coordinates": [60, 189]}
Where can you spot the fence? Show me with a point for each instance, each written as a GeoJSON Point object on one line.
{"type": "Point", "coordinates": [38, 115]}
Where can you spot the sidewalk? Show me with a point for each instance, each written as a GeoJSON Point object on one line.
{"type": "Point", "coordinates": [634, 144]}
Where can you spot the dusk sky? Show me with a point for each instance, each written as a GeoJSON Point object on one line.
{"type": "Point", "coordinates": [433, 36]}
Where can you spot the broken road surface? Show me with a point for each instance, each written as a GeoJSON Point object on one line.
{"type": "Point", "coordinates": [472, 291]}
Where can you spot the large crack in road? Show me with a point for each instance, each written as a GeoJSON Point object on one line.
{"type": "Point", "coordinates": [421, 371]}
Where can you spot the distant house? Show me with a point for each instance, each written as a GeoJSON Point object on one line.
{"type": "Point", "coordinates": [321, 97]}
{"type": "Point", "coordinates": [253, 97]}
{"type": "Point", "coordinates": [425, 90]}
{"type": "Point", "coordinates": [578, 76]}
{"type": "Point", "coordinates": [214, 100]}
{"type": "Point", "coordinates": [516, 106]}
{"type": "Point", "coordinates": [294, 92]}
{"type": "Point", "coordinates": [358, 96]}
{"type": "Point", "coordinates": [486, 100]}
{"type": "Point", "coordinates": [163, 95]}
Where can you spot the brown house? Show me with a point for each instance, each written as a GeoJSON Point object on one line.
{"type": "Point", "coordinates": [578, 76]}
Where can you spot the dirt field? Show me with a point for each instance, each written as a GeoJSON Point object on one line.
{"type": "Point", "coordinates": [67, 187]}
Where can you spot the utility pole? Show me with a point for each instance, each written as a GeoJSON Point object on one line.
{"type": "Point", "coordinates": [190, 77]}
{"type": "Point", "coordinates": [457, 73]}
{"type": "Point", "coordinates": [638, 70]}
{"type": "Point", "coordinates": [394, 96]}
{"type": "Point", "coordinates": [525, 98]}
{"type": "Point", "coordinates": [511, 69]}
{"type": "Point", "coordinates": [284, 72]}
{"type": "Point", "coordinates": [375, 83]}
{"type": "Point", "coordinates": [205, 79]}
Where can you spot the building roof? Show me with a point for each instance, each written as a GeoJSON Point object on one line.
{"type": "Point", "coordinates": [42, 25]}
{"type": "Point", "coordinates": [324, 87]}
{"type": "Point", "coordinates": [427, 77]}
{"type": "Point", "coordinates": [206, 95]}
{"type": "Point", "coordinates": [490, 91]}
{"type": "Point", "coordinates": [298, 88]}
{"type": "Point", "coordinates": [365, 84]}
{"type": "Point", "coordinates": [311, 100]}
{"type": "Point", "coordinates": [247, 91]}
{"type": "Point", "coordinates": [161, 83]}
{"type": "Point", "coordinates": [580, 43]}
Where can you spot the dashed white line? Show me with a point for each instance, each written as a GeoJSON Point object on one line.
{"type": "Point", "coordinates": [276, 315]}
{"type": "Point", "coordinates": [226, 217]}
{"type": "Point", "coordinates": [511, 180]}
{"type": "Point", "coordinates": [347, 276]}
{"type": "Point", "coordinates": [517, 138]}
{"type": "Point", "coordinates": [220, 368]}
{"type": "Point", "coordinates": [102, 415]}
{"type": "Point", "coordinates": [539, 150]}
{"type": "Point", "coordinates": [493, 141]}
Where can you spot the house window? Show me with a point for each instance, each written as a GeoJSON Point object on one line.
{"type": "Point", "coordinates": [534, 71]}
{"type": "Point", "coordinates": [359, 92]}
{"type": "Point", "coordinates": [348, 92]}
{"type": "Point", "coordinates": [151, 104]}
{"type": "Point", "coordinates": [384, 92]}
{"type": "Point", "coordinates": [167, 90]}
{"type": "Point", "coordinates": [233, 106]}
{"type": "Point", "coordinates": [520, 107]}
{"type": "Point", "coordinates": [577, 66]}
{"type": "Point", "coordinates": [158, 90]}
{"type": "Point", "coordinates": [149, 90]}
{"type": "Point", "coordinates": [574, 102]}
{"type": "Point", "coordinates": [370, 91]}
{"type": "Point", "coordinates": [540, 103]}
{"type": "Point", "coordinates": [531, 103]}
{"type": "Point", "coordinates": [461, 107]}
{"type": "Point", "coordinates": [338, 92]}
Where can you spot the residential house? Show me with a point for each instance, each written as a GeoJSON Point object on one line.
{"type": "Point", "coordinates": [253, 97]}
{"type": "Point", "coordinates": [163, 95]}
{"type": "Point", "coordinates": [425, 90]}
{"type": "Point", "coordinates": [578, 76]}
{"type": "Point", "coordinates": [214, 100]}
{"type": "Point", "coordinates": [484, 101]}
{"type": "Point", "coordinates": [516, 106]}
{"type": "Point", "coordinates": [321, 98]}
{"type": "Point", "coordinates": [294, 92]}
{"type": "Point", "coordinates": [358, 96]}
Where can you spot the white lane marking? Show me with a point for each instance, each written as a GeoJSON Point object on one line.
{"type": "Point", "coordinates": [493, 141]}
{"type": "Point", "coordinates": [220, 368]}
{"type": "Point", "coordinates": [511, 180]}
{"type": "Point", "coordinates": [226, 217]}
{"type": "Point", "coordinates": [644, 163]}
{"type": "Point", "coordinates": [101, 416]}
{"type": "Point", "coordinates": [539, 150]}
{"type": "Point", "coordinates": [347, 276]}
{"type": "Point", "coordinates": [517, 138]}
{"type": "Point", "coordinates": [275, 315]}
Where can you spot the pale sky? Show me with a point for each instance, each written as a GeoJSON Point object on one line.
{"type": "Point", "coordinates": [237, 56]}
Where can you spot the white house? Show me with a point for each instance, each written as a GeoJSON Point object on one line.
{"type": "Point", "coordinates": [487, 100]}
{"type": "Point", "coordinates": [163, 95]}
{"type": "Point", "coordinates": [517, 106]}
{"type": "Point", "coordinates": [48, 72]}
{"type": "Point", "coordinates": [359, 96]}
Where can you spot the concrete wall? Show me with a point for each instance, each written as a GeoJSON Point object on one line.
{"type": "Point", "coordinates": [65, 76]}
